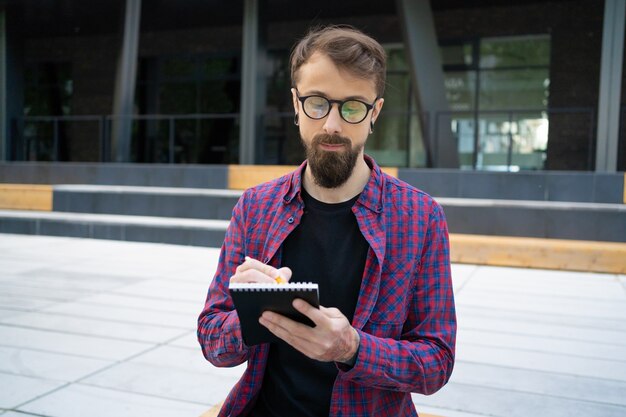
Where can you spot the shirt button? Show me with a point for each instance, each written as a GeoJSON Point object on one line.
{"type": "Point", "coordinates": [290, 220]}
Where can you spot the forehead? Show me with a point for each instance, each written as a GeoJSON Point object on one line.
{"type": "Point", "coordinates": [320, 74]}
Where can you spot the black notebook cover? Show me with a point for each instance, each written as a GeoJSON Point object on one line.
{"type": "Point", "coordinates": [251, 300]}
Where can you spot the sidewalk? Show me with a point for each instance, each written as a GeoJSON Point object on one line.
{"type": "Point", "coordinates": [107, 328]}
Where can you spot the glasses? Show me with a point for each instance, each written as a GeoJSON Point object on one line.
{"type": "Point", "coordinates": [352, 110]}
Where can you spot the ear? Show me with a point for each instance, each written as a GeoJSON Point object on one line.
{"type": "Point", "coordinates": [294, 96]}
{"type": "Point", "coordinates": [377, 108]}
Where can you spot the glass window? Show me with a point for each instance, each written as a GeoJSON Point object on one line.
{"type": "Point", "coordinates": [396, 59]}
{"type": "Point", "coordinates": [397, 91]}
{"type": "Point", "coordinates": [460, 54]}
{"type": "Point", "coordinates": [205, 87]}
{"type": "Point", "coordinates": [523, 88]}
{"type": "Point", "coordinates": [48, 89]}
{"type": "Point", "coordinates": [515, 52]}
{"type": "Point", "coordinates": [397, 139]}
{"type": "Point", "coordinates": [219, 96]}
{"type": "Point", "coordinates": [460, 89]}
{"type": "Point", "coordinates": [505, 127]}
{"type": "Point", "coordinates": [174, 68]}
{"type": "Point", "coordinates": [177, 98]}
{"type": "Point", "coordinates": [218, 67]}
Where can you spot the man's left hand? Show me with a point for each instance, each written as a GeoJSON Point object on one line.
{"type": "Point", "coordinates": [332, 338]}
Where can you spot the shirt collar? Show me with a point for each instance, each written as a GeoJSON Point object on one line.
{"type": "Point", "coordinates": [371, 196]}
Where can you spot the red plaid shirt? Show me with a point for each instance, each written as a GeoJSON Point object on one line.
{"type": "Point", "coordinates": [405, 312]}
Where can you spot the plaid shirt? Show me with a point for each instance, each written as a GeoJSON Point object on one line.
{"type": "Point", "coordinates": [405, 313]}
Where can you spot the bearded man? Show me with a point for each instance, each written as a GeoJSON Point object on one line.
{"type": "Point", "coordinates": [377, 247]}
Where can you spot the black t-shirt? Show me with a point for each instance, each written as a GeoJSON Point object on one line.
{"type": "Point", "coordinates": [327, 247]}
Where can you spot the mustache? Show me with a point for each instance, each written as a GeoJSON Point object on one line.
{"type": "Point", "coordinates": [325, 138]}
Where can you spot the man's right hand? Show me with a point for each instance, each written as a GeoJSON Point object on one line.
{"type": "Point", "coordinates": [253, 270]}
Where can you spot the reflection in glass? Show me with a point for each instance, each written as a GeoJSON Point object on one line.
{"type": "Point", "coordinates": [506, 126]}
{"type": "Point", "coordinates": [202, 93]}
{"type": "Point", "coordinates": [515, 51]}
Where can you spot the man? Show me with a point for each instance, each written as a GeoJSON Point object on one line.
{"type": "Point", "coordinates": [377, 247]}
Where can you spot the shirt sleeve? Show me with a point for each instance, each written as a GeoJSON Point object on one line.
{"type": "Point", "coordinates": [219, 329]}
{"type": "Point", "coordinates": [422, 359]}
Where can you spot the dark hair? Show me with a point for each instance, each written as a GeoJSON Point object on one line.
{"type": "Point", "coordinates": [348, 48]}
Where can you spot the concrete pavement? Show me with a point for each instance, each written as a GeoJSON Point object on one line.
{"type": "Point", "coordinates": [107, 328]}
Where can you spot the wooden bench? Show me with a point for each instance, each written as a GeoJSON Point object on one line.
{"type": "Point", "coordinates": [26, 197]}
{"type": "Point", "coordinates": [526, 252]}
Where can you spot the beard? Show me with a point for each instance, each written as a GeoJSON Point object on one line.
{"type": "Point", "coordinates": [331, 169]}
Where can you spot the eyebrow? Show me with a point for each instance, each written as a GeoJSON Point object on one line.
{"type": "Point", "coordinates": [321, 93]}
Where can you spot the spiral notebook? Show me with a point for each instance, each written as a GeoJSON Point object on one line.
{"type": "Point", "coordinates": [251, 300]}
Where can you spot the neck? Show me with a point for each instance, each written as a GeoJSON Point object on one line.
{"type": "Point", "coordinates": [355, 184]}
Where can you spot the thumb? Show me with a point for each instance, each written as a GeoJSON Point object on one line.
{"type": "Point", "coordinates": [285, 273]}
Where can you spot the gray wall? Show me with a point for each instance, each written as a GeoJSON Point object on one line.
{"type": "Point", "coordinates": [540, 186]}
{"type": "Point", "coordinates": [195, 176]}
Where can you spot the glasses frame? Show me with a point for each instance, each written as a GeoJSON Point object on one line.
{"type": "Point", "coordinates": [340, 104]}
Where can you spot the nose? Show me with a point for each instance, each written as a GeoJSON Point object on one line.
{"type": "Point", "coordinates": [332, 125]}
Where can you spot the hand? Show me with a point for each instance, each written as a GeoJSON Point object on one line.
{"type": "Point", "coordinates": [332, 338]}
{"type": "Point", "coordinates": [256, 271]}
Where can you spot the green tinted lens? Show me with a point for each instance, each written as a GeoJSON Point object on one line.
{"type": "Point", "coordinates": [353, 111]}
{"type": "Point", "coordinates": [316, 107]}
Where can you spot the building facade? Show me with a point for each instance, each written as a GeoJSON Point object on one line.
{"type": "Point", "coordinates": [481, 84]}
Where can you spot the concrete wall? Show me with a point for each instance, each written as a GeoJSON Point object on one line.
{"type": "Point", "coordinates": [197, 176]}
{"type": "Point", "coordinates": [538, 186]}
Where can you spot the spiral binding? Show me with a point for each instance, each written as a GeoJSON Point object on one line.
{"type": "Point", "coordinates": [291, 286]}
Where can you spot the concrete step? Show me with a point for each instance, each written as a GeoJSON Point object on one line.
{"type": "Point", "coordinates": [195, 203]}
{"type": "Point", "coordinates": [543, 219]}
{"type": "Point", "coordinates": [117, 227]}
{"type": "Point", "coordinates": [496, 217]}
{"type": "Point", "coordinates": [475, 249]}
{"type": "Point", "coordinates": [549, 219]}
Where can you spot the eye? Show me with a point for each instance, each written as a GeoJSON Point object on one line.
{"type": "Point", "coordinates": [353, 110]}
{"type": "Point", "coordinates": [316, 106]}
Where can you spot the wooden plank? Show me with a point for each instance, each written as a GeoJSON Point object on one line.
{"type": "Point", "coordinates": [241, 177]}
{"type": "Point", "coordinates": [393, 171]}
{"type": "Point", "coordinates": [572, 255]}
{"type": "Point", "coordinates": [624, 188]}
{"type": "Point", "coordinates": [213, 411]}
{"type": "Point", "coordinates": [26, 197]}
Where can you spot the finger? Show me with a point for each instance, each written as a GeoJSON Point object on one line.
{"type": "Point", "coordinates": [284, 273]}
{"type": "Point", "coordinates": [331, 312]}
{"type": "Point", "coordinates": [294, 333]}
{"type": "Point", "coordinates": [251, 263]}
{"type": "Point", "coordinates": [252, 276]}
{"type": "Point", "coordinates": [315, 314]}
{"type": "Point", "coordinates": [301, 337]}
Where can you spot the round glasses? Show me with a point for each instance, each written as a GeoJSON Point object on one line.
{"type": "Point", "coordinates": [352, 110]}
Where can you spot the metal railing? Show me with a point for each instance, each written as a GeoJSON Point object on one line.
{"type": "Point", "coordinates": [27, 140]}
{"type": "Point", "coordinates": [171, 120]}
{"type": "Point", "coordinates": [444, 120]}
{"type": "Point", "coordinates": [31, 135]}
